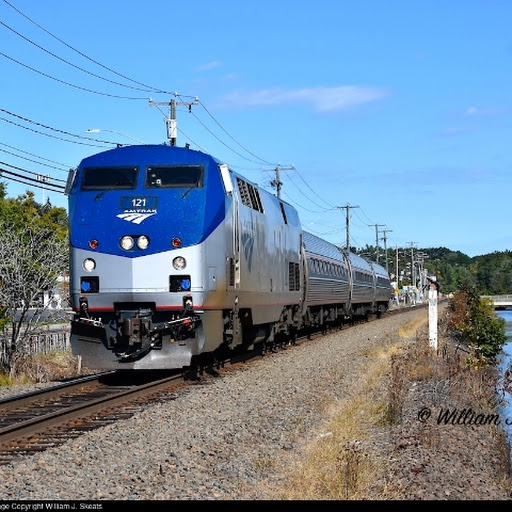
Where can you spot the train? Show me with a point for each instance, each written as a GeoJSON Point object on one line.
{"type": "Point", "coordinates": [177, 261]}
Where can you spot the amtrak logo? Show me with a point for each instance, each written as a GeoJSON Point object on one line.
{"type": "Point", "coordinates": [136, 216]}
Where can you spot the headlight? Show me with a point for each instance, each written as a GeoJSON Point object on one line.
{"type": "Point", "coordinates": [89, 265]}
{"type": "Point", "coordinates": [126, 243]}
{"type": "Point", "coordinates": [179, 263]}
{"type": "Point", "coordinates": [142, 242]}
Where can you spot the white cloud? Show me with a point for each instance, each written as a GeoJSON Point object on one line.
{"type": "Point", "coordinates": [476, 111]}
{"type": "Point", "coordinates": [209, 66]}
{"type": "Point", "coordinates": [323, 99]}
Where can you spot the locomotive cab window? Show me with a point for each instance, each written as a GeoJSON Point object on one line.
{"type": "Point", "coordinates": [175, 176]}
{"type": "Point", "coordinates": [109, 178]}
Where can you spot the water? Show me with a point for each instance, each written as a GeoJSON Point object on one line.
{"type": "Point", "coordinates": [504, 362]}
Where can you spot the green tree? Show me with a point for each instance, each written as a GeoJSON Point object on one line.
{"type": "Point", "coordinates": [33, 254]}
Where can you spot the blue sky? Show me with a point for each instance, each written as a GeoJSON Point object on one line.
{"type": "Point", "coordinates": [398, 112]}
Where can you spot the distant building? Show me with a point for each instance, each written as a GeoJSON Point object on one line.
{"type": "Point", "coordinates": [57, 298]}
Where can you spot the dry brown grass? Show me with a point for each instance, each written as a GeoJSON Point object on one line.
{"type": "Point", "coordinates": [43, 368]}
{"type": "Point", "coordinates": [342, 464]}
{"type": "Point", "coordinates": [338, 464]}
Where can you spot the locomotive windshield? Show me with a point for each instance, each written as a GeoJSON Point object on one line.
{"type": "Point", "coordinates": [175, 176]}
{"type": "Point", "coordinates": [109, 178]}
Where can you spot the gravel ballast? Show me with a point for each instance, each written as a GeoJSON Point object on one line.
{"type": "Point", "coordinates": [231, 438]}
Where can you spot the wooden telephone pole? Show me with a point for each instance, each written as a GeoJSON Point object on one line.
{"type": "Point", "coordinates": [170, 121]}
{"type": "Point", "coordinates": [347, 223]}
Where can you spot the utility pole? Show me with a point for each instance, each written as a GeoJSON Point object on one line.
{"type": "Point", "coordinates": [420, 258]}
{"type": "Point", "coordinates": [376, 240]}
{"type": "Point", "coordinates": [43, 179]}
{"type": "Point", "coordinates": [347, 223]}
{"type": "Point", "coordinates": [385, 247]}
{"type": "Point", "coordinates": [413, 273]}
{"type": "Point", "coordinates": [277, 183]}
{"type": "Point", "coordinates": [397, 270]}
{"type": "Point", "coordinates": [170, 121]}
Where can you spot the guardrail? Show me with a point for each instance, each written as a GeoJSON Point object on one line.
{"type": "Point", "coordinates": [499, 300]}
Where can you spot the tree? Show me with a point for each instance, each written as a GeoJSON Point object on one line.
{"type": "Point", "coordinates": [474, 320]}
{"type": "Point", "coordinates": [33, 254]}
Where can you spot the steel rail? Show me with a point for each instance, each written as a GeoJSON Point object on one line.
{"type": "Point", "coordinates": [37, 425]}
{"type": "Point", "coordinates": [14, 401]}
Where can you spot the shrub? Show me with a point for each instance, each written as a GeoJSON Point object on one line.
{"type": "Point", "coordinates": [474, 320]}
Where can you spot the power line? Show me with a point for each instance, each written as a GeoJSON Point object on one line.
{"type": "Point", "coordinates": [29, 180]}
{"type": "Point", "coordinates": [154, 89]}
{"type": "Point", "coordinates": [309, 187]}
{"type": "Point", "coordinates": [322, 209]}
{"type": "Point", "coordinates": [376, 240]}
{"type": "Point", "coordinates": [146, 88]}
{"type": "Point", "coordinates": [50, 128]}
{"type": "Point", "coordinates": [69, 83]}
{"type": "Point", "coordinates": [37, 123]}
{"type": "Point", "coordinates": [62, 167]}
{"type": "Point", "coordinates": [30, 172]}
{"type": "Point", "coordinates": [55, 56]}
{"type": "Point", "coordinates": [139, 86]}
{"type": "Point", "coordinates": [229, 135]}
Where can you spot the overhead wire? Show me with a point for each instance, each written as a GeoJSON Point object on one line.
{"type": "Point", "coordinates": [262, 160]}
{"type": "Point", "coordinates": [301, 191]}
{"type": "Point", "coordinates": [218, 139]}
{"type": "Point", "coordinates": [54, 136]}
{"type": "Point", "coordinates": [55, 56]}
{"type": "Point", "coordinates": [36, 184]}
{"type": "Point", "coordinates": [38, 176]}
{"type": "Point", "coordinates": [69, 83]}
{"type": "Point", "coordinates": [149, 87]}
{"type": "Point", "coordinates": [331, 207]}
{"type": "Point", "coordinates": [62, 169]}
{"type": "Point", "coordinates": [146, 87]}
{"type": "Point", "coordinates": [139, 87]}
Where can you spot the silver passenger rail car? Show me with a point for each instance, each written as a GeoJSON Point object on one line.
{"type": "Point", "coordinates": [327, 291]}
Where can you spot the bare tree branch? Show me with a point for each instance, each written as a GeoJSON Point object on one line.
{"type": "Point", "coordinates": [31, 260]}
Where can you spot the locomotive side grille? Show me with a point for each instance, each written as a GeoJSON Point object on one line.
{"type": "Point", "coordinates": [294, 276]}
{"type": "Point", "coordinates": [231, 272]}
{"type": "Point", "coordinates": [244, 193]}
{"type": "Point", "coordinates": [256, 199]}
{"type": "Point", "coordinates": [250, 195]}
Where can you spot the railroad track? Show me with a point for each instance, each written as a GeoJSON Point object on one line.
{"type": "Point", "coordinates": [38, 420]}
{"type": "Point", "coordinates": [42, 419]}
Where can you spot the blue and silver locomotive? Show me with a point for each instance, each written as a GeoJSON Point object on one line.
{"type": "Point", "coordinates": [175, 258]}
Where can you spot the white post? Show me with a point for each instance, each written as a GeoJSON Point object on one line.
{"type": "Point", "coordinates": [432, 316]}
